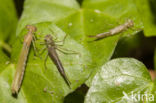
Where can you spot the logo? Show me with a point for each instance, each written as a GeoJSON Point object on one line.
{"type": "Point", "coordinates": [136, 97]}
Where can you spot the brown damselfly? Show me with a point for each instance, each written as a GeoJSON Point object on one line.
{"type": "Point", "coordinates": [18, 77]}
{"type": "Point", "coordinates": [129, 23]}
{"type": "Point", "coordinates": [52, 53]}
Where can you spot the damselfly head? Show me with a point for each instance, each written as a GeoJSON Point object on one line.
{"type": "Point", "coordinates": [130, 23]}
{"type": "Point", "coordinates": [31, 28]}
{"type": "Point", "coordinates": [48, 38]}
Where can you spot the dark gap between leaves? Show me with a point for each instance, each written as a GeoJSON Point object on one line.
{"type": "Point", "coordinates": [19, 6]}
{"type": "Point", "coordinates": [77, 96]}
{"type": "Point", "coordinates": [80, 2]}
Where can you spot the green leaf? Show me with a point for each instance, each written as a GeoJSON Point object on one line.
{"type": "Point", "coordinates": [46, 10]}
{"type": "Point", "coordinates": [8, 20]}
{"type": "Point", "coordinates": [88, 22]}
{"type": "Point", "coordinates": [77, 24]}
{"type": "Point", "coordinates": [120, 10]}
{"type": "Point", "coordinates": [147, 12]}
{"type": "Point", "coordinates": [119, 79]}
{"type": "Point", "coordinates": [154, 91]}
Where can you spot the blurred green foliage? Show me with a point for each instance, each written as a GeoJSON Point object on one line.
{"type": "Point", "coordinates": [8, 21]}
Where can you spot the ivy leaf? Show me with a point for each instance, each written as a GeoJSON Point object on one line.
{"type": "Point", "coordinates": [8, 20]}
{"type": "Point", "coordinates": [77, 24]}
{"type": "Point", "coordinates": [154, 92]}
{"type": "Point", "coordinates": [147, 12]}
{"type": "Point", "coordinates": [121, 10]}
{"type": "Point", "coordinates": [118, 81]}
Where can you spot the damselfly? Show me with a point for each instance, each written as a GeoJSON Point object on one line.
{"type": "Point", "coordinates": [115, 30]}
{"type": "Point", "coordinates": [16, 84]}
{"type": "Point", "coordinates": [51, 47]}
